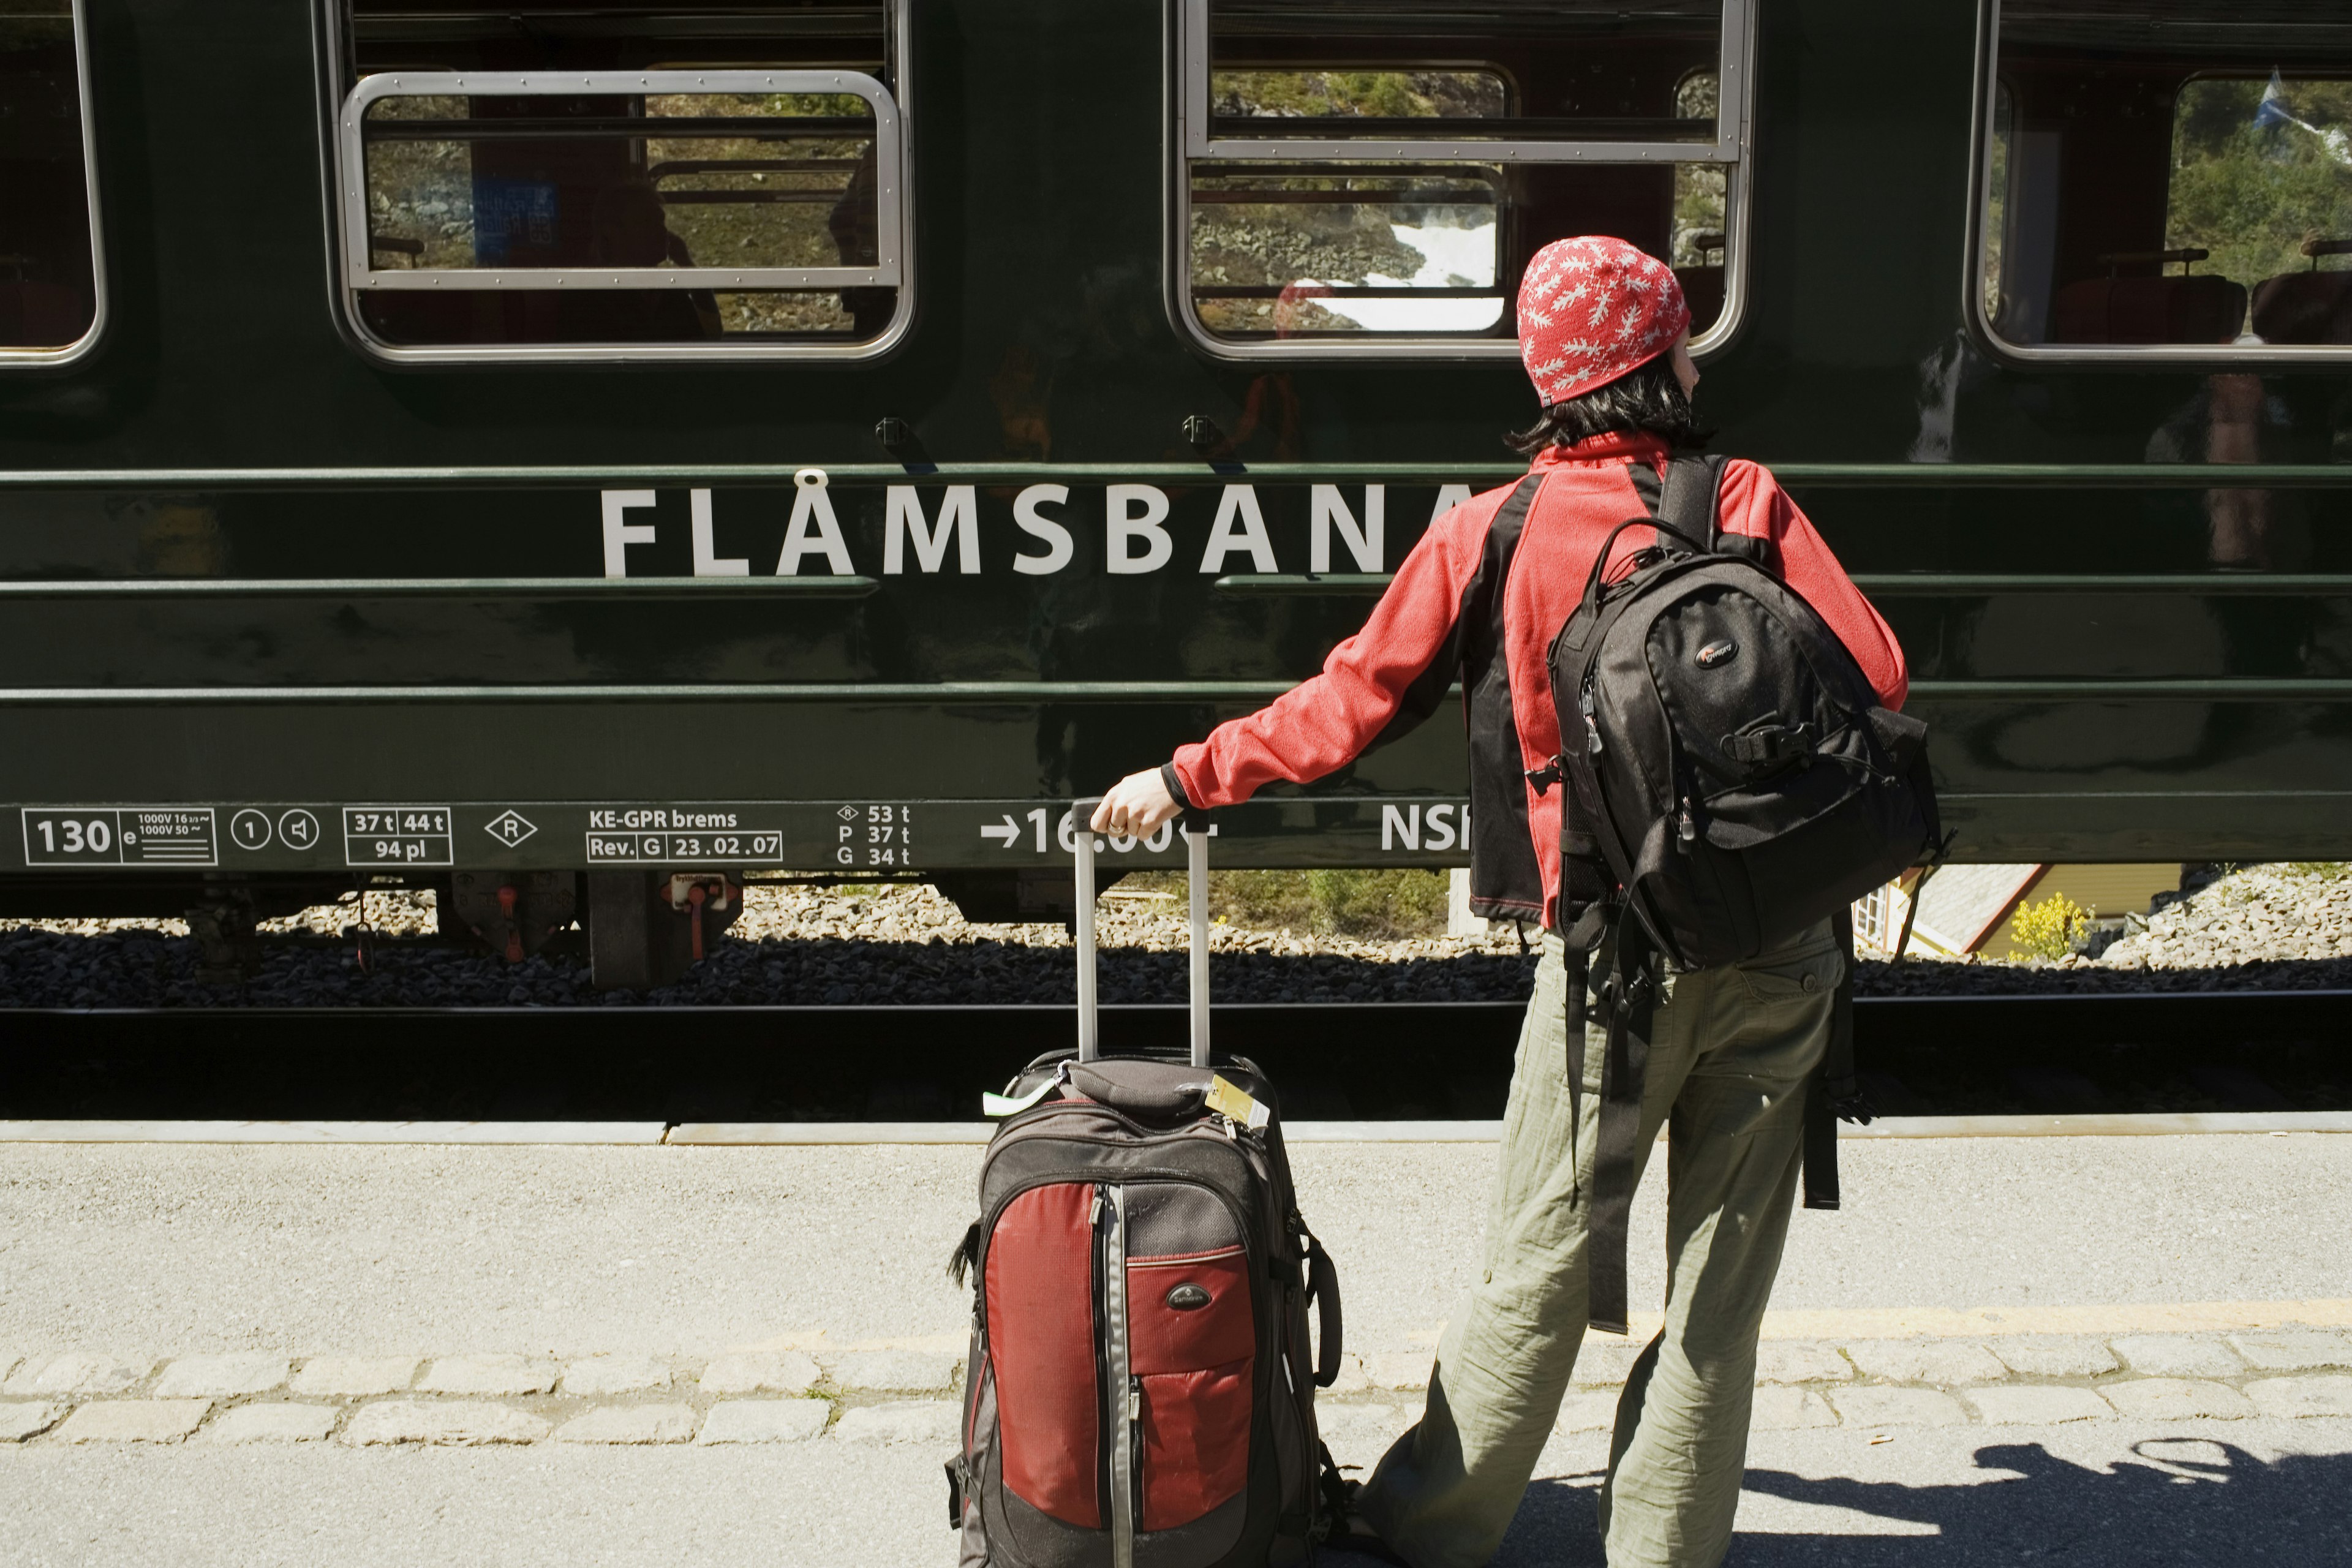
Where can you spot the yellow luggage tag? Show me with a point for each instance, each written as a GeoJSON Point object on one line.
{"type": "Point", "coordinates": [1227, 1098]}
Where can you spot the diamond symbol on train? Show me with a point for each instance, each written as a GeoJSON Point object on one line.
{"type": "Point", "coordinates": [509, 828]}
{"type": "Point", "coordinates": [847, 814]}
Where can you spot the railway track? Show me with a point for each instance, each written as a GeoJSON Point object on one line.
{"type": "Point", "coordinates": [2261, 1051]}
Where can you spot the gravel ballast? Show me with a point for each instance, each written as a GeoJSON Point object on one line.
{"type": "Point", "coordinates": [2257, 928]}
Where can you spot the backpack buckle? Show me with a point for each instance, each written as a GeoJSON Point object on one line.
{"type": "Point", "coordinates": [1544, 777]}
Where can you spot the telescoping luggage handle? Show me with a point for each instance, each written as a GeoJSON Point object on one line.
{"type": "Point", "coordinates": [1196, 879]}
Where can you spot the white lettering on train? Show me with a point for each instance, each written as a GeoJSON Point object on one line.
{"type": "Point", "coordinates": [1364, 543]}
{"type": "Point", "coordinates": [1137, 540]}
{"type": "Point", "coordinates": [813, 530]}
{"type": "Point", "coordinates": [1058, 547]}
{"type": "Point", "coordinates": [707, 562]}
{"type": "Point", "coordinates": [1446, 830]}
{"type": "Point", "coordinates": [620, 532]}
{"type": "Point", "coordinates": [1123, 526]}
{"type": "Point", "coordinates": [1239, 526]}
{"type": "Point", "coordinates": [958, 516]}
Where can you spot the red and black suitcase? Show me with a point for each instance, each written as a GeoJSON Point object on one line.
{"type": "Point", "coordinates": [1140, 1391]}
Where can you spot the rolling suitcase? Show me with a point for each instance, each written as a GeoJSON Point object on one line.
{"type": "Point", "coordinates": [1139, 1392]}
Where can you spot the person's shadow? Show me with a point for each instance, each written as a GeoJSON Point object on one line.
{"type": "Point", "coordinates": [2180, 1500]}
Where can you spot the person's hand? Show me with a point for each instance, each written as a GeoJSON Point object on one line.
{"type": "Point", "coordinates": [1135, 805]}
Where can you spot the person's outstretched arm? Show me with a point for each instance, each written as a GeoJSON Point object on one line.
{"type": "Point", "coordinates": [1376, 685]}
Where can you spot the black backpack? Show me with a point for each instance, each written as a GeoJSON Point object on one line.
{"type": "Point", "coordinates": [1732, 777]}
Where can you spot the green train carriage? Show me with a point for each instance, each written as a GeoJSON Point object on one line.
{"type": "Point", "coordinates": [577, 455]}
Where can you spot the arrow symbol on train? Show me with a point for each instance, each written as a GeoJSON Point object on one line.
{"type": "Point", "coordinates": [1008, 833]}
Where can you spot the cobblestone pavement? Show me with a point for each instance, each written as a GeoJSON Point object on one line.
{"type": "Point", "coordinates": [885, 1396]}
{"type": "Point", "coordinates": [243, 1355]}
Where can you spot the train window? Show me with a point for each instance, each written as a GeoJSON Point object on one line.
{"type": "Point", "coordinates": [657, 185]}
{"type": "Point", "coordinates": [2173, 175]}
{"type": "Point", "coordinates": [52, 292]}
{"type": "Point", "coordinates": [1371, 180]}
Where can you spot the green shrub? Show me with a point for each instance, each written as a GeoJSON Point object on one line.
{"type": "Point", "coordinates": [1378, 904]}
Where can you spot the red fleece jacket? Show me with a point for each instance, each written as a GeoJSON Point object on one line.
{"type": "Point", "coordinates": [1327, 722]}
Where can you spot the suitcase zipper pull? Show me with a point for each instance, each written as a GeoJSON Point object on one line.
{"type": "Point", "coordinates": [1686, 828]}
{"type": "Point", "coordinates": [1135, 1438]}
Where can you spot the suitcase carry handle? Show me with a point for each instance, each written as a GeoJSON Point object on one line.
{"type": "Point", "coordinates": [1196, 832]}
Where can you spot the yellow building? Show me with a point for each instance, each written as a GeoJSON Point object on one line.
{"type": "Point", "coordinates": [1973, 909]}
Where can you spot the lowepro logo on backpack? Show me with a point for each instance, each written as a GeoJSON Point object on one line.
{"type": "Point", "coordinates": [1723, 650]}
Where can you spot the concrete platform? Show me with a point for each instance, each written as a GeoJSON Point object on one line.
{"type": "Point", "coordinates": [2126, 1350]}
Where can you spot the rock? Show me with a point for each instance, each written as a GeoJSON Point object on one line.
{"type": "Point", "coordinates": [1790, 1409]}
{"type": "Point", "coordinates": [134, 1421]}
{"type": "Point", "coordinates": [78, 1372]}
{"type": "Point", "coordinates": [354, 1377]}
{"type": "Point", "coordinates": [630, 1424]}
{"type": "Point", "coordinates": [220, 1376]}
{"type": "Point", "coordinates": [2051, 1355]}
{"type": "Point", "coordinates": [761, 1372]}
{"type": "Point", "coordinates": [1946, 1362]}
{"type": "Point", "coordinates": [932, 1421]}
{"type": "Point", "coordinates": [23, 1419]}
{"type": "Point", "coordinates": [459, 1423]}
{"type": "Point", "coordinates": [765, 1420]}
{"type": "Point", "coordinates": [2176, 1399]}
{"type": "Point", "coordinates": [1880, 1405]}
{"type": "Point", "coordinates": [271, 1422]}
{"type": "Point", "coordinates": [2294, 1350]}
{"type": "Point", "coordinates": [489, 1375]}
{"type": "Point", "coordinates": [2301, 1395]}
{"type": "Point", "coordinates": [615, 1375]}
{"type": "Point", "coordinates": [894, 1372]}
{"type": "Point", "coordinates": [2178, 1355]}
{"type": "Point", "coordinates": [1795, 1361]}
{"type": "Point", "coordinates": [2037, 1406]}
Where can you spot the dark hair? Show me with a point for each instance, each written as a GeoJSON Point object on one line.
{"type": "Point", "coordinates": [1645, 399]}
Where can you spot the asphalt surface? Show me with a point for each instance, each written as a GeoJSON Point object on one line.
{"type": "Point", "coordinates": [2195, 1493]}
{"type": "Point", "coordinates": [188, 1250]}
{"type": "Point", "coordinates": [164, 1250]}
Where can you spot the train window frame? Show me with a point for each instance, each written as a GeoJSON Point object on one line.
{"type": "Point", "coordinates": [894, 219]}
{"type": "Point", "coordinates": [1191, 139]}
{"type": "Point", "coordinates": [1975, 276]}
{"type": "Point", "coordinates": [30, 359]}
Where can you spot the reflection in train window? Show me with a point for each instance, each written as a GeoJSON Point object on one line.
{"type": "Point", "coordinates": [1373, 180]}
{"type": "Point", "coordinates": [51, 295]}
{"type": "Point", "coordinates": [649, 207]}
{"type": "Point", "coordinates": [2179, 177]}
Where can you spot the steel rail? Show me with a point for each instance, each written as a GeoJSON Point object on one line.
{"type": "Point", "coordinates": [1396, 1061]}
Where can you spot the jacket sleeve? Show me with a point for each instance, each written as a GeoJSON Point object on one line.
{"type": "Point", "coordinates": [1753, 503]}
{"type": "Point", "coordinates": [1375, 686]}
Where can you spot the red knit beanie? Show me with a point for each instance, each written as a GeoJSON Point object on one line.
{"type": "Point", "coordinates": [1592, 308]}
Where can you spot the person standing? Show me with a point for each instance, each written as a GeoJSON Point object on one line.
{"type": "Point", "coordinates": [1604, 334]}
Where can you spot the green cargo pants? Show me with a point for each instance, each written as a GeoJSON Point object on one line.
{"type": "Point", "coordinates": [1732, 1053]}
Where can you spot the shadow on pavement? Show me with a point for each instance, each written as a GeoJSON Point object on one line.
{"type": "Point", "coordinates": [2177, 1501]}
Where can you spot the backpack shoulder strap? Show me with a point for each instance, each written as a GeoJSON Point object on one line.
{"type": "Point", "coordinates": [1692, 485]}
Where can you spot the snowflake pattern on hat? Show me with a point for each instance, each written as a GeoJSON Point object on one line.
{"type": "Point", "coordinates": [1592, 308]}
